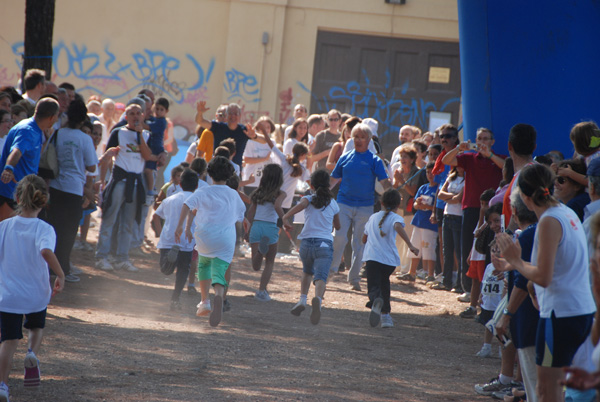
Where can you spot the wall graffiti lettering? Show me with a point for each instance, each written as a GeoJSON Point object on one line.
{"type": "Point", "coordinates": [241, 85]}
{"type": "Point", "coordinates": [391, 108]}
{"type": "Point", "coordinates": [108, 76]}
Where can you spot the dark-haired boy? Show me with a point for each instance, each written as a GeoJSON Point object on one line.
{"type": "Point", "coordinates": [175, 254]}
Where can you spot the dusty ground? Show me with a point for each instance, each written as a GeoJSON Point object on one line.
{"type": "Point", "coordinates": [111, 337]}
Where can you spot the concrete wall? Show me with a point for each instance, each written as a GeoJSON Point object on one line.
{"type": "Point", "coordinates": [191, 50]}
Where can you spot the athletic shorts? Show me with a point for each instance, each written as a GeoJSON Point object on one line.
{"type": "Point", "coordinates": [212, 268]}
{"type": "Point", "coordinates": [484, 316]}
{"type": "Point", "coordinates": [558, 339]}
{"type": "Point", "coordinates": [260, 229]}
{"type": "Point", "coordinates": [425, 240]}
{"type": "Point", "coordinates": [476, 270]}
{"type": "Point", "coordinates": [11, 324]}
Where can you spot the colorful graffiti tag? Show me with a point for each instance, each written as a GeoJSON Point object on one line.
{"type": "Point", "coordinates": [108, 76]}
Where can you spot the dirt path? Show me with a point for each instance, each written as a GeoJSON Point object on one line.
{"type": "Point", "coordinates": [111, 337]}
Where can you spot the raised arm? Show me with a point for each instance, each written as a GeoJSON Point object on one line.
{"type": "Point", "coordinates": [200, 120]}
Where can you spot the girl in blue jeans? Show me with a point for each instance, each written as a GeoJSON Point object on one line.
{"type": "Point", "coordinates": [321, 214]}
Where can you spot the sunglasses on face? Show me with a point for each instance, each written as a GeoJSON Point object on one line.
{"type": "Point", "coordinates": [335, 119]}
{"type": "Point", "coordinates": [446, 136]}
{"type": "Point", "coordinates": [561, 180]}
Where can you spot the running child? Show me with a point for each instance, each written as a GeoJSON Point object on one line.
{"type": "Point", "coordinates": [321, 213]}
{"type": "Point", "coordinates": [26, 245]}
{"type": "Point", "coordinates": [218, 209]}
{"type": "Point", "coordinates": [381, 256]}
{"type": "Point", "coordinates": [263, 214]}
{"type": "Point", "coordinates": [173, 255]}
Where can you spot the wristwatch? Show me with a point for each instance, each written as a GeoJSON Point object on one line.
{"type": "Point", "coordinates": [508, 313]}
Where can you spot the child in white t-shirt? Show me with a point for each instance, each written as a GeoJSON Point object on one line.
{"type": "Point", "coordinates": [381, 256]}
{"type": "Point", "coordinates": [175, 255]}
{"type": "Point", "coordinates": [321, 214]}
{"type": "Point", "coordinates": [218, 209]}
{"type": "Point", "coordinates": [26, 252]}
{"type": "Point", "coordinates": [492, 290]}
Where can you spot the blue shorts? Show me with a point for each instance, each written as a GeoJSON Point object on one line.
{"type": "Point", "coordinates": [85, 213]}
{"type": "Point", "coordinates": [11, 324]}
{"type": "Point", "coordinates": [260, 229]}
{"type": "Point", "coordinates": [316, 256]}
{"type": "Point", "coordinates": [558, 339]}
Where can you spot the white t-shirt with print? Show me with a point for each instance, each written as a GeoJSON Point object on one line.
{"type": "Point", "coordinates": [170, 210]}
{"type": "Point", "coordinates": [255, 150]}
{"type": "Point", "coordinates": [218, 209]}
{"type": "Point", "coordinates": [24, 277]}
{"type": "Point", "coordinates": [382, 249]}
{"type": "Point", "coordinates": [492, 289]}
{"type": "Point", "coordinates": [318, 222]}
{"type": "Point", "coordinates": [129, 157]}
{"type": "Point", "coordinates": [289, 182]}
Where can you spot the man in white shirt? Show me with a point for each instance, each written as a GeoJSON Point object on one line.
{"type": "Point", "coordinates": [124, 194]}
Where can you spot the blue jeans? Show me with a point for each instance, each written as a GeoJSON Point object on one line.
{"type": "Point", "coordinates": [356, 217]}
{"type": "Point", "coordinates": [127, 224]}
{"type": "Point", "coordinates": [451, 237]}
{"type": "Point", "coordinates": [316, 255]}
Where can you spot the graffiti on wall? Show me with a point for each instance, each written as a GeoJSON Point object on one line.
{"type": "Point", "coordinates": [391, 108]}
{"type": "Point", "coordinates": [241, 85]}
{"type": "Point", "coordinates": [106, 75]}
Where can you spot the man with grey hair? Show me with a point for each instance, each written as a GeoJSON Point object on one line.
{"type": "Point", "coordinates": [357, 171]}
{"type": "Point", "coordinates": [229, 129]}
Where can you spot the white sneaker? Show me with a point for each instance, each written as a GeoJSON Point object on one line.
{"type": "Point", "coordinates": [421, 274]}
{"type": "Point", "coordinates": [262, 295]}
{"type": "Point", "coordinates": [299, 308]}
{"type": "Point", "coordinates": [484, 352]}
{"type": "Point", "coordinates": [465, 297]}
{"type": "Point", "coordinates": [127, 265]}
{"type": "Point", "coordinates": [386, 321]}
{"type": "Point", "coordinates": [203, 309]}
{"type": "Point", "coordinates": [104, 265]}
{"type": "Point", "coordinates": [78, 245]}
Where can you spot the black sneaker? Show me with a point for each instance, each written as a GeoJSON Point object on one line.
{"type": "Point", "coordinates": [192, 291]}
{"type": "Point", "coordinates": [175, 305]}
{"type": "Point", "coordinates": [469, 312]}
{"type": "Point", "coordinates": [226, 305]}
{"type": "Point", "coordinates": [342, 267]}
{"type": "Point", "coordinates": [406, 277]}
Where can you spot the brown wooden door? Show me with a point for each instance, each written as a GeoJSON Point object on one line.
{"type": "Point", "coordinates": [395, 81]}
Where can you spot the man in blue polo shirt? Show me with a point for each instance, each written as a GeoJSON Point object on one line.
{"type": "Point", "coordinates": [22, 150]}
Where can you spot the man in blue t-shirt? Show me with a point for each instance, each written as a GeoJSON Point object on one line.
{"type": "Point", "coordinates": [22, 151]}
{"type": "Point", "coordinates": [357, 170]}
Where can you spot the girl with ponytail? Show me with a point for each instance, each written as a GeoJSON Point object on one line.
{"type": "Point", "coordinates": [381, 256]}
{"type": "Point", "coordinates": [559, 270]}
{"type": "Point", "coordinates": [26, 252]}
{"type": "Point", "coordinates": [321, 213]}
